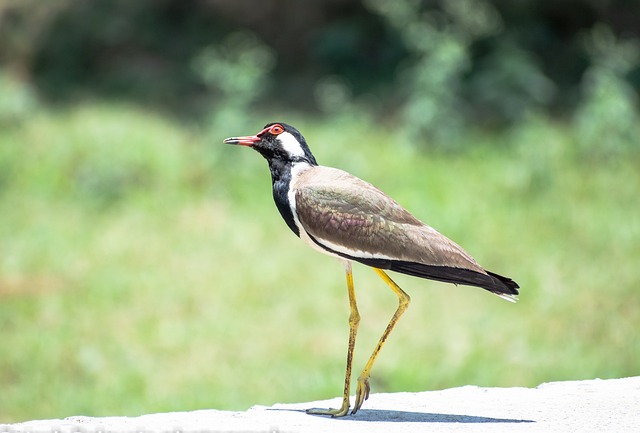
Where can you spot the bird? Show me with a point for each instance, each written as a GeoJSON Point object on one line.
{"type": "Point", "coordinates": [341, 215]}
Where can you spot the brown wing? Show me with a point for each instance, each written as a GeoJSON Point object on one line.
{"type": "Point", "coordinates": [341, 209]}
{"type": "Point", "coordinates": [355, 219]}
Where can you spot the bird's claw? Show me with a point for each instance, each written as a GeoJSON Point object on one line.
{"type": "Point", "coordinates": [334, 413]}
{"type": "Point", "coordinates": [362, 393]}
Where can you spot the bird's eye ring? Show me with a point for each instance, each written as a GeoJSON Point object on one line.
{"type": "Point", "coordinates": [276, 129]}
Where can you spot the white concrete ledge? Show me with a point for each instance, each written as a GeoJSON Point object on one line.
{"type": "Point", "coordinates": [584, 406]}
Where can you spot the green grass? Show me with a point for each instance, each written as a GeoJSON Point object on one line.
{"type": "Point", "coordinates": [144, 267]}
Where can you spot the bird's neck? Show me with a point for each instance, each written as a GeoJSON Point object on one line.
{"type": "Point", "coordinates": [281, 175]}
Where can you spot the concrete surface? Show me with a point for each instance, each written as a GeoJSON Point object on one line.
{"type": "Point", "coordinates": [583, 406]}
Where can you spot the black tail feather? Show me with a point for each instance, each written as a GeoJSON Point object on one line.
{"type": "Point", "coordinates": [507, 282]}
{"type": "Point", "coordinates": [490, 281]}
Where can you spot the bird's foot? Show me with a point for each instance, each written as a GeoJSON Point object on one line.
{"type": "Point", "coordinates": [362, 392]}
{"type": "Point", "coordinates": [334, 413]}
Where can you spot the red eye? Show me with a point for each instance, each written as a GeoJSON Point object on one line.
{"type": "Point", "coordinates": [276, 129]}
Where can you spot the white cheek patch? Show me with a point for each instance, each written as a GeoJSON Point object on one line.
{"type": "Point", "coordinates": [290, 144]}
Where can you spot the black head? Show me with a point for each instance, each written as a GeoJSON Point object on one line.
{"type": "Point", "coordinates": [278, 142]}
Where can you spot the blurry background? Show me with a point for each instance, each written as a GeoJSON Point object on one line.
{"type": "Point", "coordinates": [144, 267]}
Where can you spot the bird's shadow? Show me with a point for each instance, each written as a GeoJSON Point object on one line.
{"type": "Point", "coordinates": [379, 415]}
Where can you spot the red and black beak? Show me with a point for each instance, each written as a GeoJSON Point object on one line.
{"type": "Point", "coordinates": [249, 140]}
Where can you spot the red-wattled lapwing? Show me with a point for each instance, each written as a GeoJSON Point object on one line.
{"type": "Point", "coordinates": [343, 216]}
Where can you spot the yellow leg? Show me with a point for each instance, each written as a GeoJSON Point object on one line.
{"type": "Point", "coordinates": [354, 320]}
{"type": "Point", "coordinates": [363, 388]}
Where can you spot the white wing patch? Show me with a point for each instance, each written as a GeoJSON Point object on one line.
{"type": "Point", "coordinates": [290, 144]}
{"type": "Point", "coordinates": [352, 252]}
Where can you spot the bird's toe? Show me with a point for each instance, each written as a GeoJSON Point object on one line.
{"type": "Point", "coordinates": [362, 393]}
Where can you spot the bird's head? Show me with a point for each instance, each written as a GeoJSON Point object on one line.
{"type": "Point", "coordinates": [278, 142]}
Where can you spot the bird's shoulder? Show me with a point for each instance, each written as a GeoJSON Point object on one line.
{"type": "Point", "coordinates": [327, 189]}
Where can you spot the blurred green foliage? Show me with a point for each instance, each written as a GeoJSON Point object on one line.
{"type": "Point", "coordinates": [440, 44]}
{"type": "Point", "coordinates": [17, 100]}
{"type": "Point", "coordinates": [608, 118]}
{"type": "Point", "coordinates": [143, 266]}
{"type": "Point", "coordinates": [236, 70]}
{"type": "Point", "coordinates": [433, 66]}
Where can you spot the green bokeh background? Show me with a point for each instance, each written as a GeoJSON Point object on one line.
{"type": "Point", "coordinates": [144, 267]}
